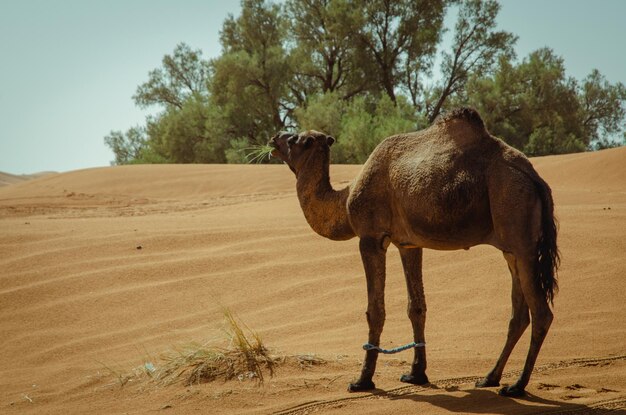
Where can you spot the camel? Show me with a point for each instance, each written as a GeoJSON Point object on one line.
{"type": "Point", "coordinates": [450, 186]}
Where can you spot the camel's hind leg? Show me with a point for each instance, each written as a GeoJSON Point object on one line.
{"type": "Point", "coordinates": [412, 263]}
{"type": "Point", "coordinates": [541, 321]}
{"type": "Point", "coordinates": [517, 325]}
{"type": "Point", "coordinates": [523, 227]}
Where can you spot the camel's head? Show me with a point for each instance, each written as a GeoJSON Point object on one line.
{"type": "Point", "coordinates": [296, 149]}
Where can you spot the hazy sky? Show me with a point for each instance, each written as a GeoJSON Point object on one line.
{"type": "Point", "coordinates": [69, 68]}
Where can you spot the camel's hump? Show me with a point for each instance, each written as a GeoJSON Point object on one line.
{"type": "Point", "coordinates": [464, 113]}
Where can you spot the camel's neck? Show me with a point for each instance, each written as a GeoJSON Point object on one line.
{"type": "Point", "coordinates": [324, 208]}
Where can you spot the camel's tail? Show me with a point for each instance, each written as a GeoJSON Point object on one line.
{"type": "Point", "coordinates": [548, 257]}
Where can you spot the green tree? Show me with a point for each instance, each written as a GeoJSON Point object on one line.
{"type": "Point", "coordinates": [126, 147]}
{"type": "Point", "coordinates": [355, 69]}
{"type": "Point", "coordinates": [603, 110]}
{"type": "Point", "coordinates": [179, 133]}
{"type": "Point", "coordinates": [324, 112]}
{"type": "Point", "coordinates": [550, 94]}
{"type": "Point", "coordinates": [400, 38]}
{"type": "Point", "coordinates": [476, 49]}
{"type": "Point", "coordinates": [362, 129]}
{"type": "Point", "coordinates": [184, 135]}
{"type": "Point", "coordinates": [359, 125]}
{"type": "Point", "coordinates": [249, 83]}
{"type": "Point", "coordinates": [183, 75]}
{"type": "Point", "coordinates": [325, 56]}
{"type": "Point", "coordinates": [498, 99]}
{"type": "Point", "coordinates": [531, 105]}
{"type": "Point", "coordinates": [537, 108]}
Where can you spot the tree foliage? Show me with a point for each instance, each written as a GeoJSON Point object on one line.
{"type": "Point", "coordinates": [250, 78]}
{"type": "Point", "coordinates": [127, 147]}
{"type": "Point", "coordinates": [400, 38]}
{"type": "Point", "coordinates": [362, 70]}
{"type": "Point", "coordinates": [537, 108]}
{"type": "Point", "coordinates": [359, 125]}
{"type": "Point", "coordinates": [186, 135]}
{"type": "Point", "coordinates": [183, 75]}
{"type": "Point", "coordinates": [603, 109]}
{"type": "Point", "coordinates": [475, 50]}
{"type": "Point", "coordinates": [327, 58]}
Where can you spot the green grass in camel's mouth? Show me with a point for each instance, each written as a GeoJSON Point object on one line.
{"type": "Point", "coordinates": [256, 154]}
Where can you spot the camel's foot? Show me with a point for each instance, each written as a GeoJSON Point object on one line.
{"type": "Point", "coordinates": [417, 379]}
{"type": "Point", "coordinates": [512, 391]}
{"type": "Point", "coordinates": [486, 383]}
{"type": "Point", "coordinates": [361, 386]}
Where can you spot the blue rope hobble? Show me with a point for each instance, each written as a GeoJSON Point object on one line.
{"type": "Point", "coordinates": [369, 346]}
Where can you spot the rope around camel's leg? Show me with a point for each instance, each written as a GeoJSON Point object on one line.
{"type": "Point", "coordinates": [368, 346]}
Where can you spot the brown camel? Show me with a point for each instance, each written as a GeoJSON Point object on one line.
{"type": "Point", "coordinates": [450, 186]}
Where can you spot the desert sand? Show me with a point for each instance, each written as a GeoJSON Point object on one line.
{"type": "Point", "coordinates": [7, 178]}
{"type": "Point", "coordinates": [103, 269]}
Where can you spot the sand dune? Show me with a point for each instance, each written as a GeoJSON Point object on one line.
{"type": "Point", "coordinates": [78, 296]}
{"type": "Point", "coordinates": [7, 178]}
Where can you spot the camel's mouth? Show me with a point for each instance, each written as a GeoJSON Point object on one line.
{"type": "Point", "coordinates": [277, 151]}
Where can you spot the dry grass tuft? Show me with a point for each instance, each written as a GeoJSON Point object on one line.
{"type": "Point", "coordinates": [242, 356]}
{"type": "Point", "coordinates": [245, 357]}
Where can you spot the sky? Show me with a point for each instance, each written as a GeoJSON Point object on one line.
{"type": "Point", "coordinates": [69, 68]}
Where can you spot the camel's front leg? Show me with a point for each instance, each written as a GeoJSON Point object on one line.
{"type": "Point", "coordinates": [412, 264]}
{"type": "Point", "coordinates": [373, 256]}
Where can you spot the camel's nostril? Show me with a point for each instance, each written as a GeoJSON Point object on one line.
{"type": "Point", "coordinates": [274, 141]}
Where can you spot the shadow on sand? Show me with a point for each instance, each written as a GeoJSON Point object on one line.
{"type": "Point", "coordinates": [478, 401]}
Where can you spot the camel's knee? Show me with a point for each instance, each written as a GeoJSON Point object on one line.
{"type": "Point", "coordinates": [546, 319]}
{"type": "Point", "coordinates": [519, 322]}
{"type": "Point", "coordinates": [416, 311]}
{"type": "Point", "coordinates": [375, 318]}
{"type": "Point", "coordinates": [541, 322]}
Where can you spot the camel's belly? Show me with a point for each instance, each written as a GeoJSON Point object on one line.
{"type": "Point", "coordinates": [446, 240]}
{"type": "Point", "coordinates": [444, 244]}
{"type": "Point", "coordinates": [442, 227]}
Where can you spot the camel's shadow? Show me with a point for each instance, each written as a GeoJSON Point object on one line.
{"type": "Point", "coordinates": [478, 401]}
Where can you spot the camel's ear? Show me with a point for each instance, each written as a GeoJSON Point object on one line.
{"type": "Point", "coordinates": [329, 140]}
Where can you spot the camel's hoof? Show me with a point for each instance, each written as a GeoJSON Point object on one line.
{"type": "Point", "coordinates": [420, 379]}
{"type": "Point", "coordinates": [512, 391]}
{"type": "Point", "coordinates": [486, 383]}
{"type": "Point", "coordinates": [361, 386]}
